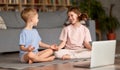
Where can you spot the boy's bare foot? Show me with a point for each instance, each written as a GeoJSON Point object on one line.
{"type": "Point", "coordinates": [31, 57]}
{"type": "Point", "coordinates": [30, 61]}
{"type": "Point", "coordinates": [66, 57]}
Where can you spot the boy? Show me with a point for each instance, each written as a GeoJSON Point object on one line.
{"type": "Point", "coordinates": [30, 40]}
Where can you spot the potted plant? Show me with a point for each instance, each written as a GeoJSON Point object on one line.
{"type": "Point", "coordinates": [109, 24]}
{"type": "Point", "coordinates": [93, 8]}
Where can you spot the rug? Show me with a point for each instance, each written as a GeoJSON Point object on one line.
{"type": "Point", "coordinates": [11, 61]}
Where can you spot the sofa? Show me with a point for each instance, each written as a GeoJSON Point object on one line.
{"type": "Point", "coordinates": [49, 27]}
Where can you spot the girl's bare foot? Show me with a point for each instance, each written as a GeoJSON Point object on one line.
{"type": "Point", "coordinates": [66, 57]}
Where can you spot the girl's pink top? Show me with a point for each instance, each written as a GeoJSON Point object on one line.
{"type": "Point", "coordinates": [75, 36]}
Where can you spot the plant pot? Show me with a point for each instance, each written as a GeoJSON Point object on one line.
{"type": "Point", "coordinates": [111, 36]}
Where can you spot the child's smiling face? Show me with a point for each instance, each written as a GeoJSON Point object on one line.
{"type": "Point", "coordinates": [72, 17]}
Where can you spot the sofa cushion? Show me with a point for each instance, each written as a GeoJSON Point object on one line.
{"type": "Point", "coordinates": [46, 19]}
{"type": "Point", "coordinates": [51, 19]}
{"type": "Point", "coordinates": [12, 19]}
{"type": "Point", "coordinates": [51, 35]}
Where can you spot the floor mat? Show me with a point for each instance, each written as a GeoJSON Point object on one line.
{"type": "Point", "coordinates": [12, 61]}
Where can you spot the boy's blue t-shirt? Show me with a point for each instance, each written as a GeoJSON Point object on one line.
{"type": "Point", "coordinates": [29, 37]}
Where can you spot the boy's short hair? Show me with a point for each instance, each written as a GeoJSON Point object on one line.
{"type": "Point", "coordinates": [28, 13]}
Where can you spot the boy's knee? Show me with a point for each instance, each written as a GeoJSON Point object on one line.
{"type": "Point", "coordinates": [31, 55]}
{"type": "Point", "coordinates": [50, 50]}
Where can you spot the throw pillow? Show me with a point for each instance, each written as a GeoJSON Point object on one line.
{"type": "Point", "coordinates": [2, 23]}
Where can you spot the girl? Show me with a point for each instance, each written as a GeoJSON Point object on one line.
{"type": "Point", "coordinates": [74, 38]}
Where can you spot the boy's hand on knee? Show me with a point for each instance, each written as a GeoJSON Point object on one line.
{"type": "Point", "coordinates": [30, 48]}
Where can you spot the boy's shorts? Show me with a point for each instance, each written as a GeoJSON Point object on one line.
{"type": "Point", "coordinates": [22, 58]}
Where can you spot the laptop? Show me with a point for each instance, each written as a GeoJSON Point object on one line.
{"type": "Point", "coordinates": [102, 54]}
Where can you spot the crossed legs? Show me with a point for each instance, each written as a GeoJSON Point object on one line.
{"type": "Point", "coordinates": [45, 55]}
{"type": "Point", "coordinates": [71, 54]}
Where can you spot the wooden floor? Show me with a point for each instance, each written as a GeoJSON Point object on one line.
{"type": "Point", "coordinates": [69, 66]}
